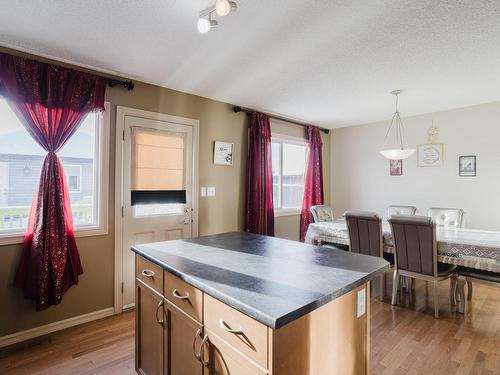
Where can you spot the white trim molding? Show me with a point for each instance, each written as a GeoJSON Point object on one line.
{"type": "Point", "coordinates": [28, 334]}
{"type": "Point", "coordinates": [121, 113]}
{"type": "Point", "coordinates": [278, 212]}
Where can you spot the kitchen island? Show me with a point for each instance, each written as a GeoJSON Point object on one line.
{"type": "Point", "coordinates": [240, 303]}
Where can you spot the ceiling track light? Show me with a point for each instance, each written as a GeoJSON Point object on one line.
{"type": "Point", "coordinates": [205, 24]}
{"type": "Point", "coordinates": [224, 7]}
{"type": "Point", "coordinates": [221, 7]}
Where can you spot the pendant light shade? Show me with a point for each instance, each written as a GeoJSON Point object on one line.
{"type": "Point", "coordinates": [397, 153]}
{"type": "Point", "coordinates": [401, 149]}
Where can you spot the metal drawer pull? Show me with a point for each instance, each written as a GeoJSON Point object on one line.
{"type": "Point", "coordinates": [160, 321]}
{"type": "Point", "coordinates": [202, 352]}
{"type": "Point", "coordinates": [148, 273]}
{"type": "Point", "coordinates": [226, 328]}
{"type": "Point", "coordinates": [176, 294]}
{"type": "Point", "coordinates": [197, 355]}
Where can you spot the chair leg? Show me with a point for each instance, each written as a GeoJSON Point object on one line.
{"type": "Point", "coordinates": [382, 286]}
{"type": "Point", "coordinates": [453, 289]}
{"type": "Point", "coordinates": [404, 282]}
{"type": "Point", "coordinates": [436, 299]}
{"type": "Point", "coordinates": [461, 294]}
{"type": "Point", "coordinates": [395, 284]}
{"type": "Point", "coordinates": [469, 290]}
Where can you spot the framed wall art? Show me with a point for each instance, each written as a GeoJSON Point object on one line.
{"type": "Point", "coordinates": [396, 167]}
{"type": "Point", "coordinates": [223, 153]}
{"type": "Point", "coordinates": [430, 155]}
{"type": "Point", "coordinates": [467, 166]}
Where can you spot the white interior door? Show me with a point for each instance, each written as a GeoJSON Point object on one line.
{"type": "Point", "coordinates": [158, 159]}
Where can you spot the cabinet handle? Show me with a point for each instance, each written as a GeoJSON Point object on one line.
{"type": "Point", "coordinates": [176, 294]}
{"type": "Point", "coordinates": [148, 273]}
{"type": "Point", "coordinates": [197, 355]}
{"type": "Point", "coordinates": [202, 351]}
{"type": "Point", "coordinates": [226, 328]}
{"type": "Point", "coordinates": [160, 321]}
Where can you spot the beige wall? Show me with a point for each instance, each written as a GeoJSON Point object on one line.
{"type": "Point", "coordinates": [222, 213]}
{"type": "Point", "coordinates": [360, 175]}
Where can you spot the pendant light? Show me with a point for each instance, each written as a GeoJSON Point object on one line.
{"type": "Point", "coordinates": [402, 151]}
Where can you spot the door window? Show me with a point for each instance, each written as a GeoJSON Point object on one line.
{"type": "Point", "coordinates": [158, 172]}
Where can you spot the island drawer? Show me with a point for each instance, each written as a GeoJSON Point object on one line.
{"type": "Point", "coordinates": [149, 273]}
{"type": "Point", "coordinates": [224, 360]}
{"type": "Point", "coordinates": [184, 296]}
{"type": "Point", "coordinates": [239, 330]}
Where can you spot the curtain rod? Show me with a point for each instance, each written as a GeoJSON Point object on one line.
{"type": "Point", "coordinates": [249, 112]}
{"type": "Point", "coordinates": [129, 85]}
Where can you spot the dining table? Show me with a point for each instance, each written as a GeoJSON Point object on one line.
{"type": "Point", "coordinates": [473, 248]}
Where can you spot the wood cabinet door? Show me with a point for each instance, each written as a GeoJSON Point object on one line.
{"type": "Point", "coordinates": [224, 360]}
{"type": "Point", "coordinates": [182, 339]}
{"type": "Point", "coordinates": [149, 330]}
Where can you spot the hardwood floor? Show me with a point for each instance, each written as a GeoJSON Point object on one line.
{"type": "Point", "coordinates": [405, 339]}
{"type": "Point", "coordinates": [105, 346]}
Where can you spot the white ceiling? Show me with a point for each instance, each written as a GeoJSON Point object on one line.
{"type": "Point", "coordinates": [329, 62]}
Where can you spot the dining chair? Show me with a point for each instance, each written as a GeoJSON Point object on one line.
{"type": "Point", "coordinates": [415, 252]}
{"type": "Point", "coordinates": [469, 276]}
{"type": "Point", "coordinates": [447, 217]}
{"type": "Point", "coordinates": [322, 213]}
{"type": "Point", "coordinates": [401, 210]}
{"type": "Point", "coordinates": [365, 237]}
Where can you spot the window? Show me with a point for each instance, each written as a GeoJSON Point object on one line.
{"type": "Point", "coordinates": [289, 163]}
{"type": "Point", "coordinates": [158, 164]}
{"type": "Point", "coordinates": [84, 159]}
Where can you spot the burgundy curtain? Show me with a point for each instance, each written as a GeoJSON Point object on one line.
{"type": "Point", "coordinates": [313, 180]}
{"type": "Point", "coordinates": [51, 102]}
{"type": "Point", "coordinates": [259, 182]}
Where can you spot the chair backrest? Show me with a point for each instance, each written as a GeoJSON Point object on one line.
{"type": "Point", "coordinates": [401, 210]}
{"type": "Point", "coordinates": [365, 233]}
{"type": "Point", "coordinates": [447, 217]}
{"type": "Point", "coordinates": [415, 247]}
{"type": "Point", "coordinates": [321, 213]}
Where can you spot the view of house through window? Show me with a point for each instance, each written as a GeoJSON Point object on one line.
{"type": "Point", "coordinates": [21, 160]}
{"type": "Point", "coordinates": [288, 163]}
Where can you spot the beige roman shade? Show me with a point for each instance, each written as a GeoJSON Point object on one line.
{"type": "Point", "coordinates": [157, 166]}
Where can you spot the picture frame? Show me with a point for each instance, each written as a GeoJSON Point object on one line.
{"type": "Point", "coordinates": [430, 155]}
{"type": "Point", "coordinates": [467, 165]}
{"type": "Point", "coordinates": [396, 167]}
{"type": "Point", "coordinates": [223, 153]}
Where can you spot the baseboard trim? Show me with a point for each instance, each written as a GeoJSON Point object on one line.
{"type": "Point", "coordinates": [28, 334]}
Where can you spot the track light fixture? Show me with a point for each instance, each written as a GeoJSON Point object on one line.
{"type": "Point", "coordinates": [221, 7]}
{"type": "Point", "coordinates": [205, 24]}
{"type": "Point", "coordinates": [224, 7]}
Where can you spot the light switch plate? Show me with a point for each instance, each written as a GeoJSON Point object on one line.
{"type": "Point", "coordinates": [210, 191]}
{"type": "Point", "coordinates": [361, 302]}
{"type": "Point", "coordinates": [203, 191]}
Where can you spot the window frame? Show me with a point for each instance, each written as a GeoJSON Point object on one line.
{"type": "Point", "coordinates": [101, 185]}
{"type": "Point", "coordinates": [281, 139]}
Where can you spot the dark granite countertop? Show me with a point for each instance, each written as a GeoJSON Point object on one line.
{"type": "Point", "coordinates": [272, 280]}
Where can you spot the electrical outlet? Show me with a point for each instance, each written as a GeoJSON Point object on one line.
{"type": "Point", "coordinates": [203, 191]}
{"type": "Point", "coordinates": [211, 191]}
